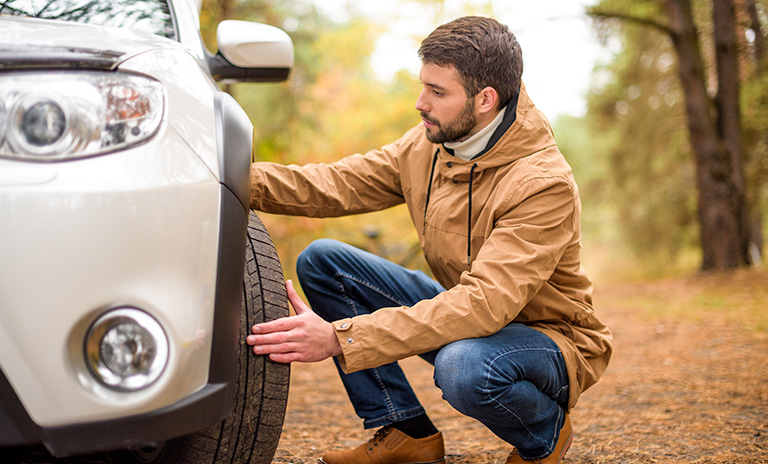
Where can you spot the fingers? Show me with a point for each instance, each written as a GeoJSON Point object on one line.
{"type": "Point", "coordinates": [283, 357]}
{"type": "Point", "coordinates": [283, 353]}
{"type": "Point", "coordinates": [304, 337]}
{"type": "Point", "coordinates": [283, 347]}
{"type": "Point", "coordinates": [278, 346]}
{"type": "Point", "coordinates": [274, 348]}
{"type": "Point", "coordinates": [269, 339]}
{"type": "Point", "coordinates": [287, 323]}
{"type": "Point", "coordinates": [284, 324]}
{"type": "Point", "coordinates": [298, 304]}
{"type": "Point", "coordinates": [288, 357]}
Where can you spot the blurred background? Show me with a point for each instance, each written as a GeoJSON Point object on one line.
{"type": "Point", "coordinates": [658, 105]}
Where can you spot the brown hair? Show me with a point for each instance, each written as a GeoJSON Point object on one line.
{"type": "Point", "coordinates": [483, 51]}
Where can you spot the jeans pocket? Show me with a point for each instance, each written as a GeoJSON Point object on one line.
{"type": "Point", "coordinates": [561, 397]}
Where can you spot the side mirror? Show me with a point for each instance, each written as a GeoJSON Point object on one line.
{"type": "Point", "coordinates": [251, 52]}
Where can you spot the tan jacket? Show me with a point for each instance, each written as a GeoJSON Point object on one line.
{"type": "Point", "coordinates": [524, 249]}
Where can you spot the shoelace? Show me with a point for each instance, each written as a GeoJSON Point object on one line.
{"type": "Point", "coordinates": [378, 437]}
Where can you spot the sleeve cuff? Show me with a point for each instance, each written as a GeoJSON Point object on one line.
{"type": "Point", "coordinates": [347, 337]}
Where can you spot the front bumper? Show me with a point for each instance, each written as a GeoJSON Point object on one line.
{"type": "Point", "coordinates": [142, 227]}
{"type": "Point", "coordinates": [195, 412]}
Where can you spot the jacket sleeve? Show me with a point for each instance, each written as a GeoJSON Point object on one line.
{"type": "Point", "coordinates": [355, 184]}
{"type": "Point", "coordinates": [513, 265]}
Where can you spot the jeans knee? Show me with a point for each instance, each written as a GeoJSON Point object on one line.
{"type": "Point", "coordinates": [312, 259]}
{"type": "Point", "coordinates": [460, 377]}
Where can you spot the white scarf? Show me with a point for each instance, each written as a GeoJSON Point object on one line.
{"type": "Point", "coordinates": [469, 148]}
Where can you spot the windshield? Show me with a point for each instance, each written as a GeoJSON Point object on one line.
{"type": "Point", "coordinates": [151, 16]}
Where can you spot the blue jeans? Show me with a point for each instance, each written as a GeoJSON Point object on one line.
{"type": "Point", "coordinates": [514, 381]}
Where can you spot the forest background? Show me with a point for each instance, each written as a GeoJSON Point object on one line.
{"type": "Point", "coordinates": [630, 148]}
{"type": "Point", "coordinates": [688, 382]}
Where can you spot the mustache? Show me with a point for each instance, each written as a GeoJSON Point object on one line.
{"type": "Point", "coordinates": [427, 118]}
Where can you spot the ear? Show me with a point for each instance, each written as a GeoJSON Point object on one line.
{"type": "Point", "coordinates": [487, 100]}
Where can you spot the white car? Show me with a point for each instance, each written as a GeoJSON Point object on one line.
{"type": "Point", "coordinates": [131, 267]}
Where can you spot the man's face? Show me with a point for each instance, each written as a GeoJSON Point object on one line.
{"type": "Point", "coordinates": [448, 114]}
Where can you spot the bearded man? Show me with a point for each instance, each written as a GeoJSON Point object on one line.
{"type": "Point", "coordinates": [507, 321]}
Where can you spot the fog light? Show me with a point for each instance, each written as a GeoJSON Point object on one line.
{"type": "Point", "coordinates": [126, 349]}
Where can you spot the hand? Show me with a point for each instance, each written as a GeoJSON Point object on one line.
{"type": "Point", "coordinates": [305, 337]}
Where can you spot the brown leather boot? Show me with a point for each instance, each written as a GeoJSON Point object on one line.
{"type": "Point", "coordinates": [563, 443]}
{"type": "Point", "coordinates": [391, 446]}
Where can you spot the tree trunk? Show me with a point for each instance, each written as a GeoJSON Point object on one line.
{"type": "Point", "coordinates": [755, 213]}
{"type": "Point", "coordinates": [728, 103]}
{"type": "Point", "coordinates": [720, 207]}
{"type": "Point", "coordinates": [754, 20]}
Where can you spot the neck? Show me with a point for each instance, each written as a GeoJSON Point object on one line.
{"type": "Point", "coordinates": [483, 121]}
{"type": "Point", "coordinates": [470, 146]}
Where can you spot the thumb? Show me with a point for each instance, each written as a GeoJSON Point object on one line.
{"type": "Point", "coordinates": [298, 304]}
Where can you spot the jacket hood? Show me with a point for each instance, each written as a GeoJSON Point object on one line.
{"type": "Point", "coordinates": [523, 131]}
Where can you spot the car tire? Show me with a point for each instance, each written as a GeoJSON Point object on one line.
{"type": "Point", "coordinates": [250, 434]}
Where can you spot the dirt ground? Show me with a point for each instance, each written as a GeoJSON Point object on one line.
{"type": "Point", "coordinates": [688, 383]}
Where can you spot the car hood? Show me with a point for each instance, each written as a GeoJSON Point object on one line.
{"type": "Point", "coordinates": [34, 43]}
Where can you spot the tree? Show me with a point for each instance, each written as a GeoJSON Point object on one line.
{"type": "Point", "coordinates": [332, 105]}
{"type": "Point", "coordinates": [641, 176]}
{"type": "Point", "coordinates": [713, 124]}
{"type": "Point", "coordinates": [755, 123]}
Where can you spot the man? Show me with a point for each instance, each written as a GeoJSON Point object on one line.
{"type": "Point", "coordinates": [508, 322]}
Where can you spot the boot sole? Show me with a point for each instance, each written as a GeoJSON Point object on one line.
{"type": "Point", "coordinates": [440, 461]}
{"type": "Point", "coordinates": [565, 448]}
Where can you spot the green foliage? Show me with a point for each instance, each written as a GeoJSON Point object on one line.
{"type": "Point", "coordinates": [637, 99]}
{"type": "Point", "coordinates": [754, 106]}
{"type": "Point", "coordinates": [332, 105]}
{"type": "Point", "coordinates": [629, 153]}
{"type": "Point", "coordinates": [636, 112]}
{"type": "Point", "coordinates": [583, 152]}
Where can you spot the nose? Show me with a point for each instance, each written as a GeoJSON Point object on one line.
{"type": "Point", "coordinates": [421, 103]}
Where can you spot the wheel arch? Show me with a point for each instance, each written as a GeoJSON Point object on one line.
{"type": "Point", "coordinates": [234, 134]}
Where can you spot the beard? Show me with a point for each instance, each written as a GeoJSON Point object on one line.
{"type": "Point", "coordinates": [454, 130]}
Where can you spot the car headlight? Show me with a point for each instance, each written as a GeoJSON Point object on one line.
{"type": "Point", "coordinates": [50, 116]}
{"type": "Point", "coordinates": [126, 349]}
